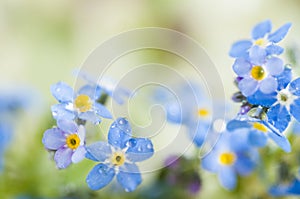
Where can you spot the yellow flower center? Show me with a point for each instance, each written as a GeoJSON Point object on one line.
{"type": "Point", "coordinates": [260, 42]}
{"type": "Point", "coordinates": [83, 103]}
{"type": "Point", "coordinates": [258, 73]}
{"type": "Point", "coordinates": [118, 158]}
{"type": "Point", "coordinates": [260, 127]}
{"type": "Point", "coordinates": [227, 158]}
{"type": "Point", "coordinates": [73, 141]}
{"type": "Point", "coordinates": [202, 112]}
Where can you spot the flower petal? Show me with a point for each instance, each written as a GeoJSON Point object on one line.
{"type": "Point", "coordinates": [227, 177]}
{"type": "Point", "coordinates": [119, 133]}
{"type": "Point", "coordinates": [245, 164]}
{"type": "Point", "coordinates": [241, 67]}
{"type": "Point", "coordinates": [129, 177]}
{"type": "Point", "coordinates": [139, 149]}
{"type": "Point", "coordinates": [67, 126]}
{"type": "Point", "coordinates": [79, 154]}
{"type": "Point", "coordinates": [275, 66]}
{"type": "Point", "coordinates": [257, 138]}
{"type": "Point", "coordinates": [248, 86]}
{"type": "Point", "coordinates": [257, 55]}
{"type": "Point", "coordinates": [197, 133]}
{"type": "Point", "coordinates": [59, 112]}
{"type": "Point", "coordinates": [295, 109]}
{"type": "Point", "coordinates": [62, 92]}
{"type": "Point", "coordinates": [279, 34]}
{"type": "Point", "coordinates": [62, 157]}
{"type": "Point", "coordinates": [99, 151]}
{"type": "Point", "coordinates": [210, 162]}
{"type": "Point", "coordinates": [268, 85]}
{"type": "Point", "coordinates": [240, 48]}
{"type": "Point", "coordinates": [53, 139]}
{"type": "Point", "coordinates": [90, 116]}
{"type": "Point", "coordinates": [102, 111]}
{"type": "Point", "coordinates": [279, 117]}
{"type": "Point", "coordinates": [261, 29]}
{"type": "Point", "coordinates": [295, 87]}
{"type": "Point", "coordinates": [259, 98]}
{"type": "Point", "coordinates": [284, 78]}
{"type": "Point", "coordinates": [237, 124]}
{"type": "Point", "coordinates": [281, 141]}
{"type": "Point", "coordinates": [100, 176]}
{"type": "Point", "coordinates": [274, 50]}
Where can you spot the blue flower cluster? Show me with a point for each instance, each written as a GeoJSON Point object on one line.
{"type": "Point", "coordinates": [118, 156]}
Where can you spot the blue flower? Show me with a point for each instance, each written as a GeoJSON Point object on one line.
{"type": "Point", "coordinates": [262, 40]}
{"type": "Point", "coordinates": [191, 108]}
{"type": "Point", "coordinates": [118, 157]}
{"type": "Point", "coordinates": [83, 104]}
{"type": "Point", "coordinates": [232, 155]}
{"type": "Point", "coordinates": [258, 132]}
{"type": "Point", "coordinates": [68, 142]}
{"type": "Point", "coordinates": [5, 136]}
{"type": "Point", "coordinates": [106, 85]}
{"type": "Point", "coordinates": [259, 74]}
{"type": "Point", "coordinates": [285, 189]}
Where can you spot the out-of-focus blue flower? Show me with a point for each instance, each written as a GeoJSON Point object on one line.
{"type": "Point", "coordinates": [83, 104]}
{"type": "Point", "coordinates": [68, 141]}
{"type": "Point", "coordinates": [258, 132]}
{"type": "Point", "coordinates": [190, 107]}
{"type": "Point", "coordinates": [231, 155]}
{"type": "Point", "coordinates": [106, 85]}
{"type": "Point", "coordinates": [118, 157]}
{"type": "Point", "coordinates": [259, 74]}
{"type": "Point", "coordinates": [5, 136]}
{"type": "Point", "coordinates": [262, 39]}
{"type": "Point", "coordinates": [285, 189]}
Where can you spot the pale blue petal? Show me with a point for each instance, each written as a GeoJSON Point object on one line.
{"type": "Point", "coordinates": [102, 111]}
{"type": "Point", "coordinates": [53, 139]}
{"type": "Point", "coordinates": [274, 50]}
{"type": "Point", "coordinates": [268, 85]}
{"type": "Point", "coordinates": [279, 117]}
{"type": "Point", "coordinates": [62, 92]}
{"type": "Point", "coordinates": [119, 133]}
{"type": "Point", "coordinates": [62, 157]}
{"type": "Point", "coordinates": [139, 149]}
{"type": "Point", "coordinates": [281, 141]}
{"type": "Point", "coordinates": [275, 66]}
{"type": "Point", "coordinates": [100, 176]}
{"type": "Point", "coordinates": [279, 34]}
{"type": "Point", "coordinates": [174, 112]}
{"type": "Point", "coordinates": [129, 177]}
{"type": "Point", "coordinates": [90, 116]}
{"type": "Point", "coordinates": [90, 91]}
{"type": "Point", "coordinates": [59, 112]}
{"type": "Point", "coordinates": [67, 126]}
{"type": "Point", "coordinates": [258, 138]}
{"type": "Point", "coordinates": [241, 67]}
{"type": "Point", "coordinates": [248, 86]}
{"type": "Point", "coordinates": [79, 154]}
{"type": "Point", "coordinates": [210, 162]}
{"type": "Point", "coordinates": [257, 55]}
{"type": "Point", "coordinates": [261, 29]}
{"type": "Point", "coordinates": [245, 165]}
{"type": "Point", "coordinates": [295, 87]}
{"type": "Point", "coordinates": [98, 151]}
{"type": "Point", "coordinates": [198, 133]}
{"type": "Point", "coordinates": [227, 177]}
{"type": "Point", "coordinates": [237, 124]}
{"type": "Point", "coordinates": [240, 48]}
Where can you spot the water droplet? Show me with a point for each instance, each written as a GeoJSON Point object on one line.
{"type": "Point", "coordinates": [127, 190]}
{"type": "Point", "coordinates": [113, 126]}
{"type": "Point", "coordinates": [149, 146]}
{"type": "Point", "coordinates": [139, 148]}
{"type": "Point", "coordinates": [121, 121]}
{"type": "Point", "coordinates": [131, 142]}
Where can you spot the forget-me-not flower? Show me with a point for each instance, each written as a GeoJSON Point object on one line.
{"type": "Point", "coordinates": [68, 142]}
{"type": "Point", "coordinates": [118, 157]}
{"type": "Point", "coordinates": [82, 104]}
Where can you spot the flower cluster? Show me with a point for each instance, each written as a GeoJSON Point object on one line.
{"type": "Point", "coordinates": [118, 156]}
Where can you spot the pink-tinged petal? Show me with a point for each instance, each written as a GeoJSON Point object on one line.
{"type": "Point", "coordinates": [67, 126]}
{"type": "Point", "coordinates": [62, 157]}
{"type": "Point", "coordinates": [53, 139]}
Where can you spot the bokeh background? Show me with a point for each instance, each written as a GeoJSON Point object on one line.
{"type": "Point", "coordinates": [43, 41]}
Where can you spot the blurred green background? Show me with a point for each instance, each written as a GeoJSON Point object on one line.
{"type": "Point", "coordinates": [42, 42]}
